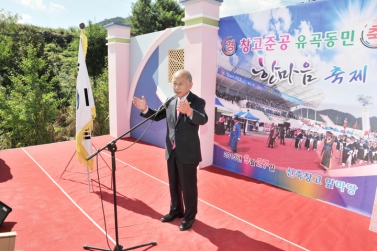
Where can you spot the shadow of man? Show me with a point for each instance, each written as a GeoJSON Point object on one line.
{"type": "Point", "coordinates": [226, 239]}
{"type": "Point", "coordinates": [134, 205]}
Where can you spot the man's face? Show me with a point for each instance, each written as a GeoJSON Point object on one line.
{"type": "Point", "coordinates": [180, 84]}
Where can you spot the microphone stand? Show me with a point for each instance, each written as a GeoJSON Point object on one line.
{"type": "Point", "coordinates": [113, 148]}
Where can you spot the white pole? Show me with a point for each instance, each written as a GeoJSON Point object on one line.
{"type": "Point", "coordinates": [87, 171]}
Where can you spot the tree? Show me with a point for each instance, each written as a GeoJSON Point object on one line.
{"type": "Point", "coordinates": [101, 99]}
{"type": "Point", "coordinates": [8, 25]}
{"type": "Point", "coordinates": [28, 111]}
{"type": "Point", "coordinates": [142, 19]}
{"type": "Point", "coordinates": [365, 100]}
{"type": "Point", "coordinates": [149, 17]}
{"type": "Point", "coordinates": [38, 73]}
{"type": "Point", "coordinates": [96, 55]}
{"type": "Point", "coordinates": [65, 121]}
{"type": "Point", "coordinates": [112, 20]}
{"type": "Point", "coordinates": [96, 60]}
{"type": "Point", "coordinates": [168, 14]}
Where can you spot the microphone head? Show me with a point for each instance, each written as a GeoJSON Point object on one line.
{"type": "Point", "coordinates": [169, 100]}
{"type": "Point", "coordinates": [173, 97]}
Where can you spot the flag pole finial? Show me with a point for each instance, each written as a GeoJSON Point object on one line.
{"type": "Point", "coordinates": [82, 26]}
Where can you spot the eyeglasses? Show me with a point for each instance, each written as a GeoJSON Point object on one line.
{"type": "Point", "coordinates": [179, 85]}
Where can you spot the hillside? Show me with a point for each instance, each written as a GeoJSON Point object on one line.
{"type": "Point", "coordinates": [121, 20]}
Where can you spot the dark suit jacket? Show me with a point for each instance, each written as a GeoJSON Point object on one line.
{"type": "Point", "coordinates": [183, 130]}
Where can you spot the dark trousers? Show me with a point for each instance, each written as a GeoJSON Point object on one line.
{"type": "Point", "coordinates": [297, 143]}
{"type": "Point", "coordinates": [271, 142]}
{"type": "Point", "coordinates": [182, 181]}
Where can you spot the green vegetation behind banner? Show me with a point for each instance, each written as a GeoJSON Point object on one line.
{"type": "Point", "coordinates": [38, 71]}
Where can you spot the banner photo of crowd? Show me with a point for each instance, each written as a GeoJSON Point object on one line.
{"type": "Point", "coordinates": [295, 99]}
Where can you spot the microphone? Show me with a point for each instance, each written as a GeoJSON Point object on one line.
{"type": "Point", "coordinates": [166, 104]}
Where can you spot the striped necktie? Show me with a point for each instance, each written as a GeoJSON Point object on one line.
{"type": "Point", "coordinates": [176, 118]}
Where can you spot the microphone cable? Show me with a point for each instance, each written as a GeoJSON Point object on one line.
{"type": "Point", "coordinates": [99, 180]}
{"type": "Point", "coordinates": [164, 106]}
{"type": "Point", "coordinates": [133, 143]}
{"type": "Point", "coordinates": [103, 210]}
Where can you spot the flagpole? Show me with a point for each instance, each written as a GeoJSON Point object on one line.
{"type": "Point", "coordinates": [85, 122]}
{"type": "Point", "coordinates": [87, 171]}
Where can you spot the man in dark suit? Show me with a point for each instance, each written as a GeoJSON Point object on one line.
{"type": "Point", "coordinates": [272, 136]}
{"type": "Point", "coordinates": [282, 135]}
{"type": "Point", "coordinates": [234, 135]}
{"type": "Point", "coordinates": [182, 148]}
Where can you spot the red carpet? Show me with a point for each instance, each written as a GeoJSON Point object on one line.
{"type": "Point", "coordinates": [235, 212]}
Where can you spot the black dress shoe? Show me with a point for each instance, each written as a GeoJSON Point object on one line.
{"type": "Point", "coordinates": [171, 217]}
{"type": "Point", "coordinates": [185, 225]}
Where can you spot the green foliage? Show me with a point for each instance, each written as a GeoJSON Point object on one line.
{"type": "Point", "coordinates": [100, 95]}
{"type": "Point", "coordinates": [121, 20]}
{"type": "Point", "coordinates": [7, 26]}
{"type": "Point", "coordinates": [97, 50]}
{"type": "Point", "coordinates": [142, 19]}
{"type": "Point", "coordinates": [169, 14]}
{"type": "Point", "coordinates": [65, 121]}
{"type": "Point", "coordinates": [28, 112]}
{"type": "Point", "coordinates": [38, 73]}
{"type": "Point", "coordinates": [8, 22]}
{"type": "Point", "coordinates": [149, 17]}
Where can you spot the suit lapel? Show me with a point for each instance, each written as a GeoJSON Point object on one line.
{"type": "Point", "coordinates": [173, 110]}
{"type": "Point", "coordinates": [189, 98]}
{"type": "Point", "coordinates": [179, 117]}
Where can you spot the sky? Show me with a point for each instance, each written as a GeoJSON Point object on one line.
{"type": "Point", "coordinates": [68, 13]}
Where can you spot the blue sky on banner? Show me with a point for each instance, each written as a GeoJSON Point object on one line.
{"type": "Point", "coordinates": [304, 20]}
{"type": "Point", "coordinates": [67, 13]}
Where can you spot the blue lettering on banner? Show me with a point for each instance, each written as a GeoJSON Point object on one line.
{"type": "Point", "coordinates": [299, 174]}
{"type": "Point", "coordinates": [259, 162]}
{"type": "Point", "coordinates": [330, 183]}
{"type": "Point", "coordinates": [308, 177]}
{"type": "Point", "coordinates": [317, 179]}
{"type": "Point", "coordinates": [233, 156]}
{"type": "Point", "coordinates": [290, 172]}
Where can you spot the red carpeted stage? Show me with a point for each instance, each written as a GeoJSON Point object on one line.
{"type": "Point", "coordinates": [53, 209]}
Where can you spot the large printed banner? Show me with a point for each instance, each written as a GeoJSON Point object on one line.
{"type": "Point", "coordinates": [296, 92]}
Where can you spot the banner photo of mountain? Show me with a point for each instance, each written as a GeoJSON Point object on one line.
{"type": "Point", "coordinates": [300, 83]}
